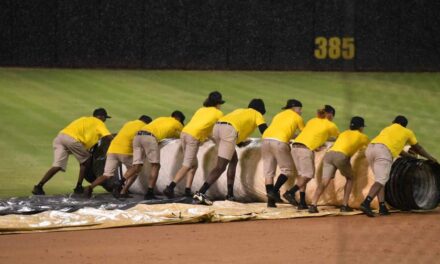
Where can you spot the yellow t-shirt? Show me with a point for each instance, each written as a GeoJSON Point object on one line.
{"type": "Point", "coordinates": [316, 132]}
{"type": "Point", "coordinates": [349, 142]}
{"type": "Point", "coordinates": [284, 125]}
{"type": "Point", "coordinates": [200, 126]}
{"type": "Point", "coordinates": [244, 120]}
{"type": "Point", "coordinates": [395, 137]}
{"type": "Point", "coordinates": [87, 130]}
{"type": "Point", "coordinates": [164, 127]}
{"type": "Point", "coordinates": [123, 142]}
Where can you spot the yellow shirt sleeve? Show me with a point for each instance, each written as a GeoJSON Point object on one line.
{"type": "Point", "coordinates": [334, 131]}
{"type": "Point", "coordinates": [259, 119]}
{"type": "Point", "coordinates": [102, 130]}
{"type": "Point", "coordinates": [301, 123]}
{"type": "Point", "coordinates": [412, 140]}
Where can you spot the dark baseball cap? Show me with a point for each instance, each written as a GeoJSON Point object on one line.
{"type": "Point", "coordinates": [101, 112]}
{"type": "Point", "coordinates": [146, 119]}
{"type": "Point", "coordinates": [401, 120]}
{"type": "Point", "coordinates": [179, 115]}
{"type": "Point", "coordinates": [329, 109]}
{"type": "Point", "coordinates": [214, 98]}
{"type": "Point", "coordinates": [292, 103]}
{"type": "Point", "coordinates": [357, 122]}
{"type": "Point", "coordinates": [257, 104]}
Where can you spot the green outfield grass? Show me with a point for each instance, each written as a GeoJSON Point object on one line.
{"type": "Point", "coordinates": [36, 103]}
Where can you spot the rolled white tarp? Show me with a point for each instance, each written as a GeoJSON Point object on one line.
{"type": "Point", "coordinates": [249, 182]}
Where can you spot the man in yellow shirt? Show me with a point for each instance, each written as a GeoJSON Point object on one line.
{"type": "Point", "coordinates": [193, 134]}
{"type": "Point", "coordinates": [119, 151]}
{"type": "Point", "coordinates": [146, 144]}
{"type": "Point", "coordinates": [77, 138]}
{"type": "Point", "coordinates": [338, 158]}
{"type": "Point", "coordinates": [275, 148]}
{"type": "Point", "coordinates": [380, 154]}
{"type": "Point", "coordinates": [316, 132]}
{"type": "Point", "coordinates": [229, 131]}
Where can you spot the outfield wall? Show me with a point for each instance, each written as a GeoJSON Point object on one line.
{"type": "Point", "coordinates": [352, 35]}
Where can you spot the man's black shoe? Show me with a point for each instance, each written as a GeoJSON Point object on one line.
{"type": "Point", "coordinates": [150, 196]}
{"type": "Point", "coordinates": [313, 209]}
{"type": "Point", "coordinates": [271, 203]}
{"type": "Point", "coordinates": [367, 210]}
{"type": "Point", "coordinates": [230, 198]}
{"type": "Point", "coordinates": [274, 196]}
{"type": "Point", "coordinates": [383, 210]}
{"type": "Point", "coordinates": [78, 189]}
{"type": "Point", "coordinates": [290, 198]}
{"type": "Point", "coordinates": [302, 206]}
{"type": "Point", "coordinates": [38, 190]}
{"type": "Point", "coordinates": [168, 192]}
{"type": "Point", "coordinates": [346, 209]}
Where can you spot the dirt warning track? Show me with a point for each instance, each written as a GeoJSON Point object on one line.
{"type": "Point", "coordinates": [401, 237]}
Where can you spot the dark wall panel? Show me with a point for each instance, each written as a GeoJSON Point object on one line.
{"type": "Point", "coordinates": [33, 32]}
{"type": "Point", "coordinates": [222, 34]}
{"type": "Point", "coordinates": [6, 13]}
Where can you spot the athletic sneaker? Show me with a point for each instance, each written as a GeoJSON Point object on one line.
{"type": "Point", "coordinates": [383, 210]}
{"type": "Point", "coordinates": [88, 192]}
{"type": "Point", "coordinates": [271, 203]}
{"type": "Point", "coordinates": [200, 198]}
{"type": "Point", "coordinates": [313, 209]}
{"type": "Point", "coordinates": [274, 196]}
{"type": "Point", "coordinates": [366, 209]}
{"type": "Point", "coordinates": [78, 189]}
{"type": "Point", "coordinates": [168, 192]}
{"type": "Point", "coordinates": [38, 190]}
{"type": "Point", "coordinates": [346, 209]}
{"type": "Point", "coordinates": [290, 198]}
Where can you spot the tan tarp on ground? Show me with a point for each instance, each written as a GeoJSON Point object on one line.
{"type": "Point", "coordinates": [249, 183]}
{"type": "Point", "coordinates": [159, 214]}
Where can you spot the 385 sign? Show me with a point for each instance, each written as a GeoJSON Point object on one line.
{"type": "Point", "coordinates": [334, 48]}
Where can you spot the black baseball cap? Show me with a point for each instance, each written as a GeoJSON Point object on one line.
{"type": "Point", "coordinates": [146, 119]}
{"type": "Point", "coordinates": [329, 109]}
{"type": "Point", "coordinates": [257, 104]}
{"type": "Point", "coordinates": [101, 112]}
{"type": "Point", "coordinates": [214, 98]}
{"type": "Point", "coordinates": [179, 115]}
{"type": "Point", "coordinates": [401, 120]}
{"type": "Point", "coordinates": [357, 122]}
{"type": "Point", "coordinates": [292, 103]}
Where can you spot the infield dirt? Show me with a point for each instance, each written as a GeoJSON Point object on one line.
{"type": "Point", "coordinates": [401, 237]}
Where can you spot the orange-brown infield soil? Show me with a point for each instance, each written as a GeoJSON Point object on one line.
{"type": "Point", "coordinates": [399, 238]}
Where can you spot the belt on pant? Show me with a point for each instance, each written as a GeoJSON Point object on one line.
{"type": "Point", "coordinates": [223, 123]}
{"type": "Point", "coordinates": [145, 133]}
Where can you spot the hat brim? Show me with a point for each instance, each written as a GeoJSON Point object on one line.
{"type": "Point", "coordinates": [222, 102]}
{"type": "Point", "coordinates": [108, 117]}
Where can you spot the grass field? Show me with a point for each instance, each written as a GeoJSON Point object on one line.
{"type": "Point", "coordinates": [36, 103]}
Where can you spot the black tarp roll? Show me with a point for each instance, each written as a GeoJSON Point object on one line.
{"type": "Point", "coordinates": [414, 184]}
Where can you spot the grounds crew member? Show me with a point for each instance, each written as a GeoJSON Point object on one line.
{"type": "Point", "coordinates": [338, 158]}
{"type": "Point", "coordinates": [232, 129]}
{"type": "Point", "coordinates": [77, 138]}
{"type": "Point", "coordinates": [146, 144]}
{"type": "Point", "coordinates": [380, 154]}
{"type": "Point", "coordinates": [119, 151]}
{"type": "Point", "coordinates": [275, 148]}
{"type": "Point", "coordinates": [316, 132]}
{"type": "Point", "coordinates": [193, 134]}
